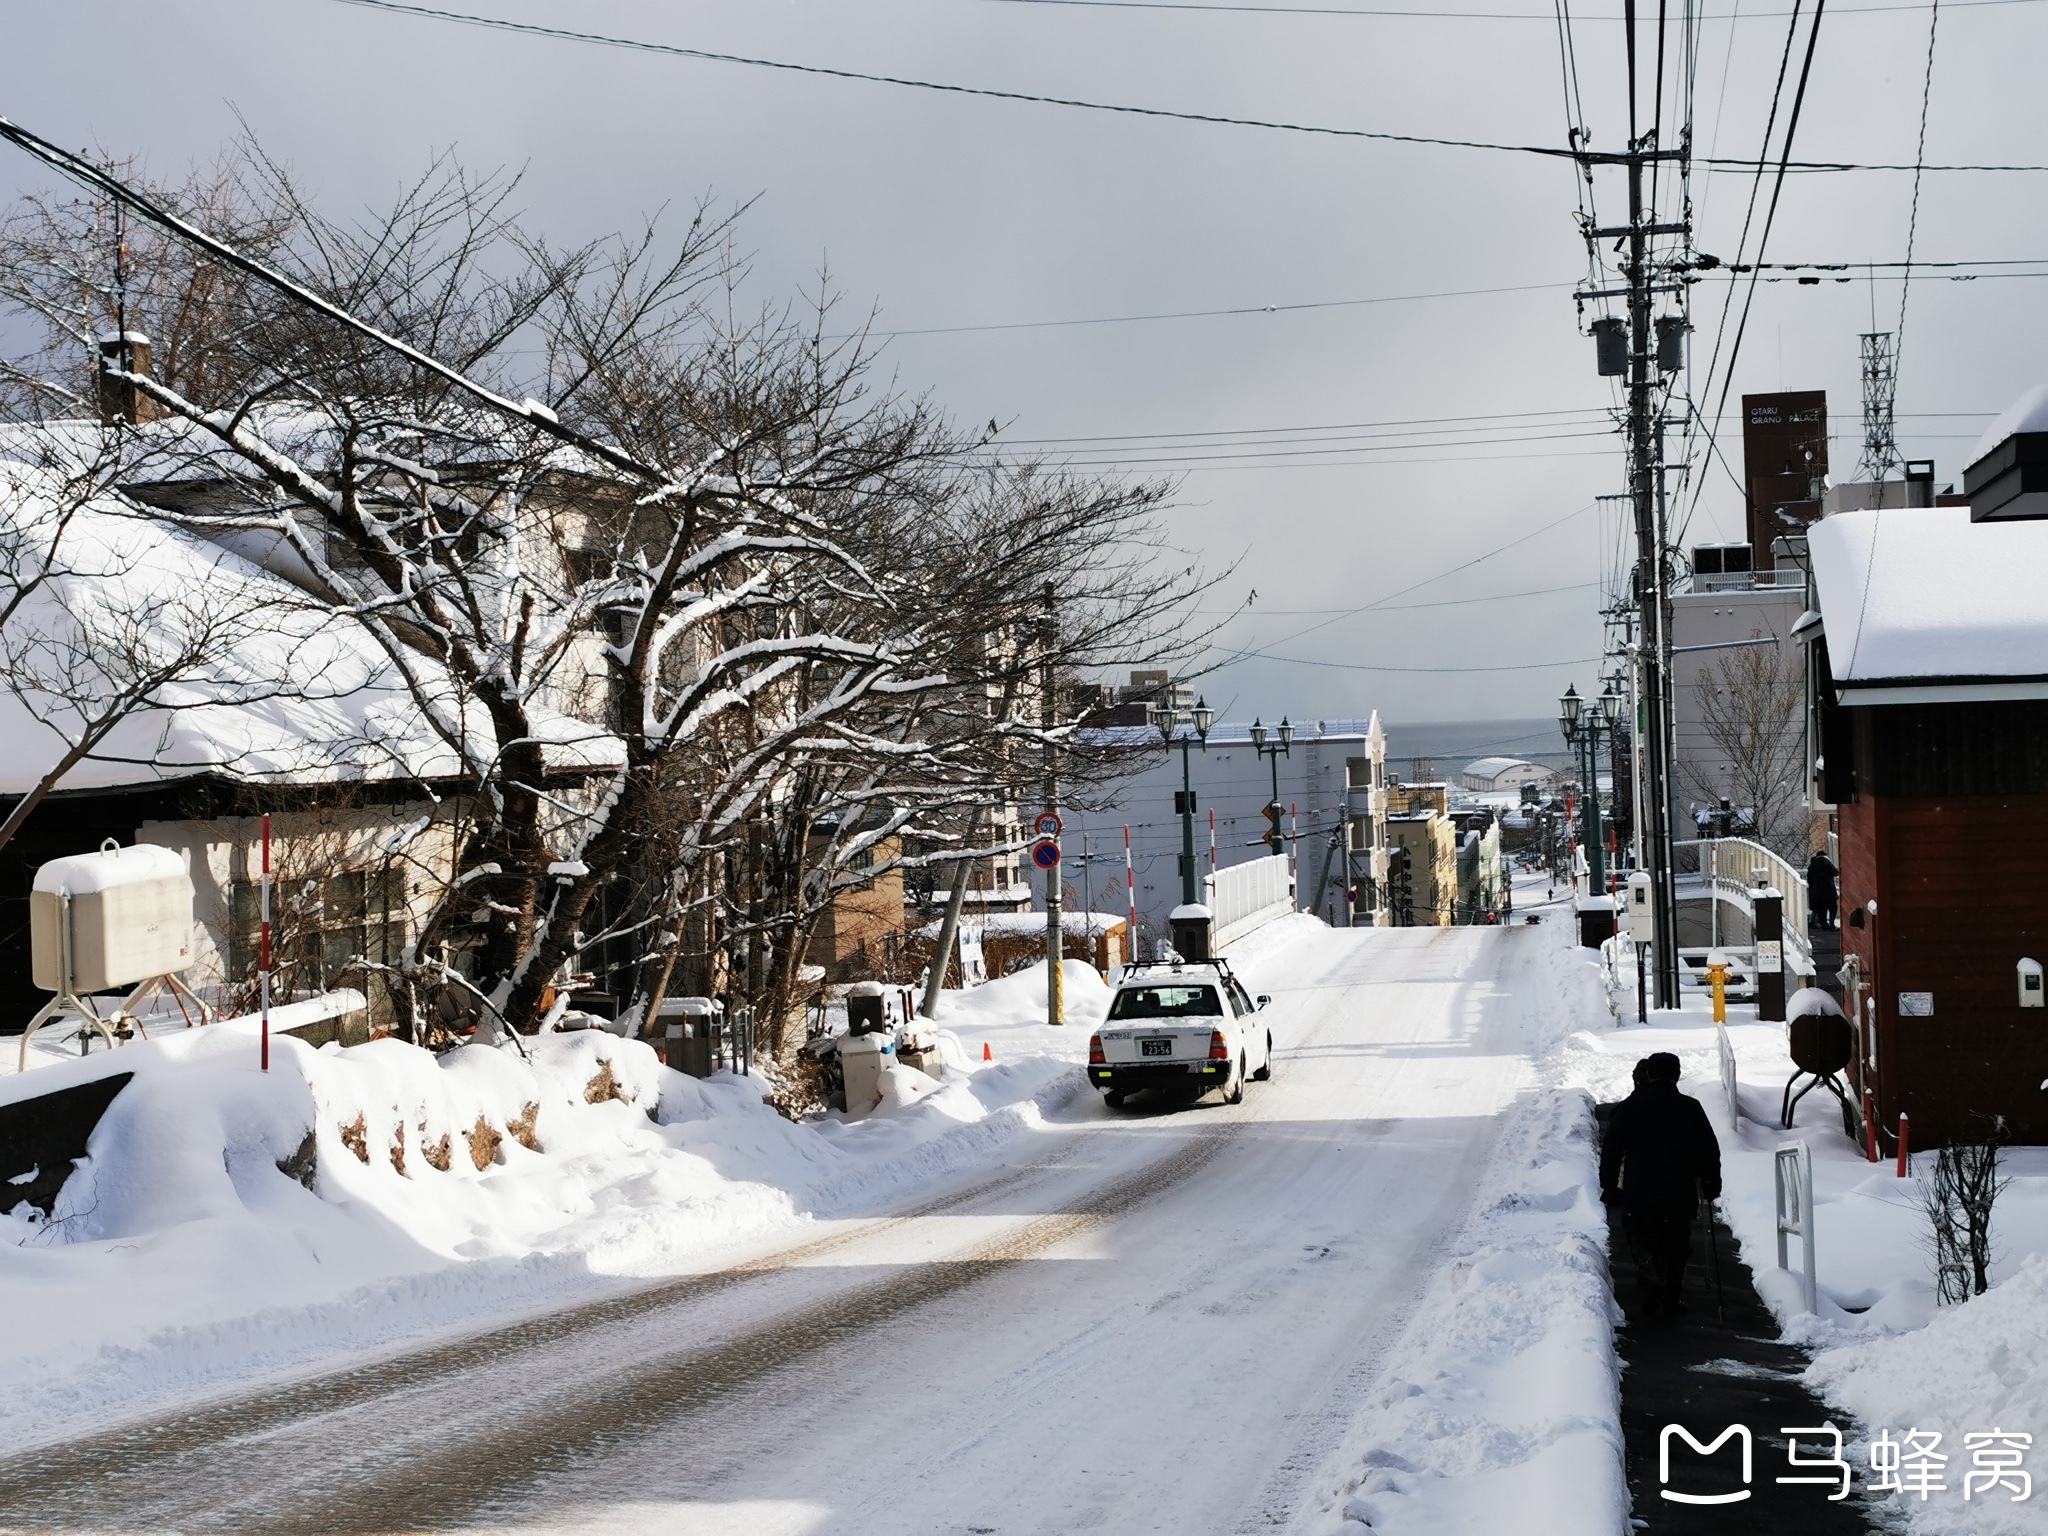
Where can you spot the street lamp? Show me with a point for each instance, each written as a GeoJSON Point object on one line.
{"type": "Point", "coordinates": [1284, 747]}
{"type": "Point", "coordinates": [1184, 725]}
{"type": "Point", "coordinates": [1582, 732]}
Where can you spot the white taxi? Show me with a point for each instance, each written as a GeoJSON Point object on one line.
{"type": "Point", "coordinates": [1185, 1028]}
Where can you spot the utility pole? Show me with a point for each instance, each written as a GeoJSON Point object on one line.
{"type": "Point", "coordinates": [1048, 716]}
{"type": "Point", "coordinates": [1641, 352]}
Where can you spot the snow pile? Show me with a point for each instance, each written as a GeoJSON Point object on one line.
{"type": "Point", "coordinates": [227, 1221]}
{"type": "Point", "coordinates": [1503, 1394]}
{"type": "Point", "coordinates": [1974, 1368]}
{"type": "Point", "coordinates": [1499, 1408]}
{"type": "Point", "coordinates": [1888, 1356]}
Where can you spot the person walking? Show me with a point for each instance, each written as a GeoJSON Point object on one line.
{"type": "Point", "coordinates": [1820, 888]}
{"type": "Point", "coordinates": [1658, 1157]}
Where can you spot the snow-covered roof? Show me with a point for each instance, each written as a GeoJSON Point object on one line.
{"type": "Point", "coordinates": [1921, 604]}
{"type": "Point", "coordinates": [2029, 413]}
{"type": "Point", "coordinates": [287, 692]}
{"type": "Point", "coordinates": [1024, 924]}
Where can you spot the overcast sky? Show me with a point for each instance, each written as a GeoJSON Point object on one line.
{"type": "Point", "coordinates": [948, 211]}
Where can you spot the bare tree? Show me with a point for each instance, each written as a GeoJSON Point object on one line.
{"type": "Point", "coordinates": [788, 599]}
{"type": "Point", "coordinates": [1752, 702]}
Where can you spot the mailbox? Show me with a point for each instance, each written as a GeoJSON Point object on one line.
{"type": "Point", "coordinates": [128, 912]}
{"type": "Point", "coordinates": [2030, 984]}
{"type": "Point", "coordinates": [1635, 914]}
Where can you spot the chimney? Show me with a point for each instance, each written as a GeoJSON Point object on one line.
{"type": "Point", "coordinates": [118, 400]}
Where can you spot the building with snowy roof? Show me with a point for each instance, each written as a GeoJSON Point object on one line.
{"type": "Point", "coordinates": [1928, 647]}
{"type": "Point", "coordinates": [1487, 775]}
{"type": "Point", "coordinates": [248, 696]}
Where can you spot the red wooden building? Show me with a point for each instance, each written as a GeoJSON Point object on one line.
{"type": "Point", "coordinates": [1929, 666]}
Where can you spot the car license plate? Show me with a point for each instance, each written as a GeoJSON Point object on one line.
{"type": "Point", "coordinates": [1155, 1047]}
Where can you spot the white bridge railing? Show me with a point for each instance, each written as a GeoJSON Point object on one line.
{"type": "Point", "coordinates": [1734, 868]}
{"type": "Point", "coordinates": [1245, 896]}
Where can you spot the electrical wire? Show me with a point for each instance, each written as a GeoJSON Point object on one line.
{"type": "Point", "coordinates": [1442, 575]}
{"type": "Point", "coordinates": [705, 55]}
{"type": "Point", "coordinates": [1913, 220]}
{"type": "Point", "coordinates": [1210, 314]}
{"type": "Point", "coordinates": [1360, 11]}
{"type": "Point", "coordinates": [1341, 426]}
{"type": "Point", "coordinates": [1763, 239]}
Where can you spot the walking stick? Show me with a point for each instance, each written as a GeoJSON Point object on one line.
{"type": "Point", "coordinates": [1714, 1251]}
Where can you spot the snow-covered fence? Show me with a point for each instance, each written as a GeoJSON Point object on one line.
{"type": "Point", "coordinates": [1728, 1077]}
{"type": "Point", "coordinates": [1245, 896]}
{"type": "Point", "coordinates": [1795, 1213]}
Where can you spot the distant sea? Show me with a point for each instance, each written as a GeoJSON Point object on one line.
{"type": "Point", "coordinates": [1445, 746]}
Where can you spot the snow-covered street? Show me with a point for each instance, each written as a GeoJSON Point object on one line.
{"type": "Point", "coordinates": [1148, 1320]}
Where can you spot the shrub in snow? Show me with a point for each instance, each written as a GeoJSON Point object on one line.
{"type": "Point", "coordinates": [1958, 1199]}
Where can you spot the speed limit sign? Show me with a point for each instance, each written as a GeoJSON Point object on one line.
{"type": "Point", "coordinates": [1048, 824]}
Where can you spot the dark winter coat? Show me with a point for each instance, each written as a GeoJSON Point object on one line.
{"type": "Point", "coordinates": [1820, 879]}
{"type": "Point", "coordinates": [1659, 1153]}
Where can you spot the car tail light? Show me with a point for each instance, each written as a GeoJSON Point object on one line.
{"type": "Point", "coordinates": [1095, 1056]}
{"type": "Point", "coordinates": [1219, 1048]}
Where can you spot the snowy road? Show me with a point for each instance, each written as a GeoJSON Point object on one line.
{"type": "Point", "coordinates": [1143, 1321]}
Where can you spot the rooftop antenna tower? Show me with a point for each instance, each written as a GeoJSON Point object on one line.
{"type": "Point", "coordinates": [1880, 385]}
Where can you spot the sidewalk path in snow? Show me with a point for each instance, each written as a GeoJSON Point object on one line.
{"type": "Point", "coordinates": [1147, 1320]}
{"type": "Point", "coordinates": [1722, 1363]}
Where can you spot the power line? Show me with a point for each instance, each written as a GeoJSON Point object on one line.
{"type": "Point", "coordinates": [1340, 426]}
{"type": "Point", "coordinates": [1361, 11]}
{"type": "Point", "coordinates": [1210, 314]}
{"type": "Point", "coordinates": [705, 55]}
{"type": "Point", "coordinates": [1919, 154]}
{"type": "Point", "coordinates": [1465, 565]}
{"type": "Point", "coordinates": [1368, 666]}
{"type": "Point", "coordinates": [1139, 457]}
{"type": "Point", "coordinates": [1446, 602]}
{"type": "Point", "coordinates": [1770, 217]}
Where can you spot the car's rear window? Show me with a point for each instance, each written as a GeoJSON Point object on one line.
{"type": "Point", "coordinates": [1165, 1003]}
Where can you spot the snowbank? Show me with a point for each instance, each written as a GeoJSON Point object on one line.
{"type": "Point", "coordinates": [1499, 1408]}
{"type": "Point", "coordinates": [228, 1222]}
{"type": "Point", "coordinates": [1887, 1355]}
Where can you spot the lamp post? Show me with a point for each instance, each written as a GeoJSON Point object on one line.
{"type": "Point", "coordinates": [1186, 726]}
{"type": "Point", "coordinates": [1582, 731]}
{"type": "Point", "coordinates": [1282, 746]}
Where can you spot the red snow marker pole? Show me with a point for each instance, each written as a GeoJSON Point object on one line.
{"type": "Point", "coordinates": [1905, 1151]}
{"type": "Point", "coordinates": [1212, 839]}
{"type": "Point", "coordinates": [1130, 896]}
{"type": "Point", "coordinates": [263, 946]}
{"type": "Point", "coordinates": [1870, 1124]}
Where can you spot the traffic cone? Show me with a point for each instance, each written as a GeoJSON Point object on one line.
{"type": "Point", "coordinates": [986, 1053]}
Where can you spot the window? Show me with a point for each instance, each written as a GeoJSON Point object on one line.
{"type": "Point", "coordinates": [319, 926]}
{"type": "Point", "coordinates": [1166, 1003]}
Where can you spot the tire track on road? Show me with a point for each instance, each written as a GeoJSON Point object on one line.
{"type": "Point", "coordinates": [243, 1464]}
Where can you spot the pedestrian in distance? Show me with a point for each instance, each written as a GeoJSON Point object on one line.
{"type": "Point", "coordinates": [1820, 888]}
{"type": "Point", "coordinates": [1658, 1158]}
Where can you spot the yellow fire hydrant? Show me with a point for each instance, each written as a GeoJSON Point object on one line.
{"type": "Point", "coordinates": [1717, 975]}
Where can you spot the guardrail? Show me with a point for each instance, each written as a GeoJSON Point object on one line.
{"type": "Point", "coordinates": [1242, 897]}
{"type": "Point", "coordinates": [1735, 868]}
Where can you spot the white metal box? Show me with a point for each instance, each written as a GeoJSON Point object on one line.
{"type": "Point", "coordinates": [131, 918]}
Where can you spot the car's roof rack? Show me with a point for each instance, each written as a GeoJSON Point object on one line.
{"type": "Point", "coordinates": [1141, 967]}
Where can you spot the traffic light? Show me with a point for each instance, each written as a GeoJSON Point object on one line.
{"type": "Point", "coordinates": [1273, 838]}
